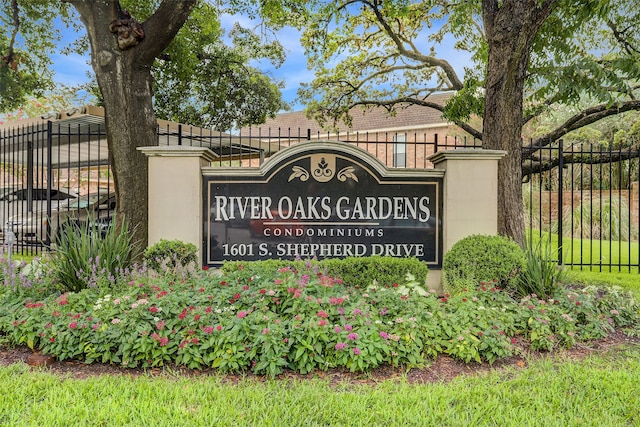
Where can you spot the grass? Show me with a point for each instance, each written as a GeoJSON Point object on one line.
{"type": "Point", "coordinates": [597, 391]}
{"type": "Point", "coordinates": [596, 255]}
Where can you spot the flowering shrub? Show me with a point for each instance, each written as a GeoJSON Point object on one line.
{"type": "Point", "coordinates": [271, 320]}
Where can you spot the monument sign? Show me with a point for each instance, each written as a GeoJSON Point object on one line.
{"type": "Point", "coordinates": [322, 200]}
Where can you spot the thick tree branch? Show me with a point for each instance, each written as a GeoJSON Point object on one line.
{"type": "Point", "coordinates": [536, 166]}
{"type": "Point", "coordinates": [8, 58]}
{"type": "Point", "coordinates": [160, 31]}
{"type": "Point", "coordinates": [414, 54]}
{"type": "Point", "coordinates": [583, 118]}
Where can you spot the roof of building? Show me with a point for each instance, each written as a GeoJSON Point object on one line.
{"type": "Point", "coordinates": [371, 119]}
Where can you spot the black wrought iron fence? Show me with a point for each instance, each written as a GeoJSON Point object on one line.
{"type": "Point", "coordinates": [585, 198]}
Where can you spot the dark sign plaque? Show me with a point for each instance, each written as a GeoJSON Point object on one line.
{"type": "Point", "coordinates": [322, 200]}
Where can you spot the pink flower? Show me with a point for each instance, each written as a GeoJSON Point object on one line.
{"type": "Point", "coordinates": [153, 309]}
{"type": "Point", "coordinates": [242, 314]}
{"type": "Point", "coordinates": [384, 335]}
{"type": "Point", "coordinates": [115, 321]}
{"type": "Point", "coordinates": [208, 329]}
{"type": "Point", "coordinates": [160, 325]}
{"type": "Point", "coordinates": [356, 351]}
{"type": "Point", "coordinates": [340, 346]}
{"type": "Point", "coordinates": [352, 337]}
{"type": "Point", "coordinates": [338, 329]}
{"type": "Point", "coordinates": [322, 322]}
{"type": "Point", "coordinates": [196, 317]}
{"type": "Point", "coordinates": [323, 314]}
{"type": "Point", "coordinates": [265, 331]}
{"type": "Point", "coordinates": [219, 327]}
{"type": "Point", "coordinates": [348, 327]}
{"type": "Point", "coordinates": [615, 312]}
{"type": "Point", "coordinates": [73, 325]}
{"type": "Point", "coordinates": [195, 340]}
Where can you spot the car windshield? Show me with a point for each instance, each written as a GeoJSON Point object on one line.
{"type": "Point", "coordinates": [84, 201]}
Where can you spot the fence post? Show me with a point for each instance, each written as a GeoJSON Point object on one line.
{"type": "Point", "coordinates": [560, 198]}
{"type": "Point", "coordinates": [49, 178]}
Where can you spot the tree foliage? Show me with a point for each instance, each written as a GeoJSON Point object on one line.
{"type": "Point", "coordinates": [27, 40]}
{"type": "Point", "coordinates": [527, 56]}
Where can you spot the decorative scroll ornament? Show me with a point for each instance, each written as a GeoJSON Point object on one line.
{"type": "Point", "coordinates": [347, 173]}
{"type": "Point", "coordinates": [299, 172]}
{"type": "Point", "coordinates": [323, 169]}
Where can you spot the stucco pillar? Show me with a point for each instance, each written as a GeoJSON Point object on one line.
{"type": "Point", "coordinates": [470, 195]}
{"type": "Point", "coordinates": [175, 193]}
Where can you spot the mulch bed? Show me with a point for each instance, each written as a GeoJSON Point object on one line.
{"type": "Point", "coordinates": [442, 369]}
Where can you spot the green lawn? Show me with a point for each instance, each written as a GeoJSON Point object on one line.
{"type": "Point", "coordinates": [596, 255]}
{"type": "Point", "coordinates": [597, 391]}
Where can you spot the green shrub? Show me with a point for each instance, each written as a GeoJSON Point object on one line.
{"type": "Point", "coordinates": [479, 258]}
{"type": "Point", "coordinates": [354, 271]}
{"type": "Point", "coordinates": [87, 254]}
{"type": "Point", "coordinates": [170, 254]}
{"type": "Point", "coordinates": [541, 276]}
{"type": "Point", "coordinates": [364, 271]}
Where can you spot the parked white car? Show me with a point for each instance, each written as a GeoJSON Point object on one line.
{"type": "Point", "coordinates": [33, 227]}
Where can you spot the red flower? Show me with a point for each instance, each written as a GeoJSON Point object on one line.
{"type": "Point", "coordinates": [323, 314]}
{"type": "Point", "coordinates": [163, 341]}
{"type": "Point", "coordinates": [196, 317]}
{"type": "Point", "coordinates": [205, 267]}
{"type": "Point", "coordinates": [153, 309]}
{"type": "Point", "coordinates": [263, 291]}
{"type": "Point", "coordinates": [73, 325]}
{"type": "Point", "coordinates": [245, 288]}
{"type": "Point", "coordinates": [182, 315]}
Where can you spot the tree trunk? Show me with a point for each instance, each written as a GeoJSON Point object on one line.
{"type": "Point", "coordinates": [122, 53]}
{"type": "Point", "coordinates": [510, 29]}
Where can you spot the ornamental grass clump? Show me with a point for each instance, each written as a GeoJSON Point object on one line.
{"type": "Point", "coordinates": [88, 254]}
{"type": "Point", "coordinates": [542, 275]}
